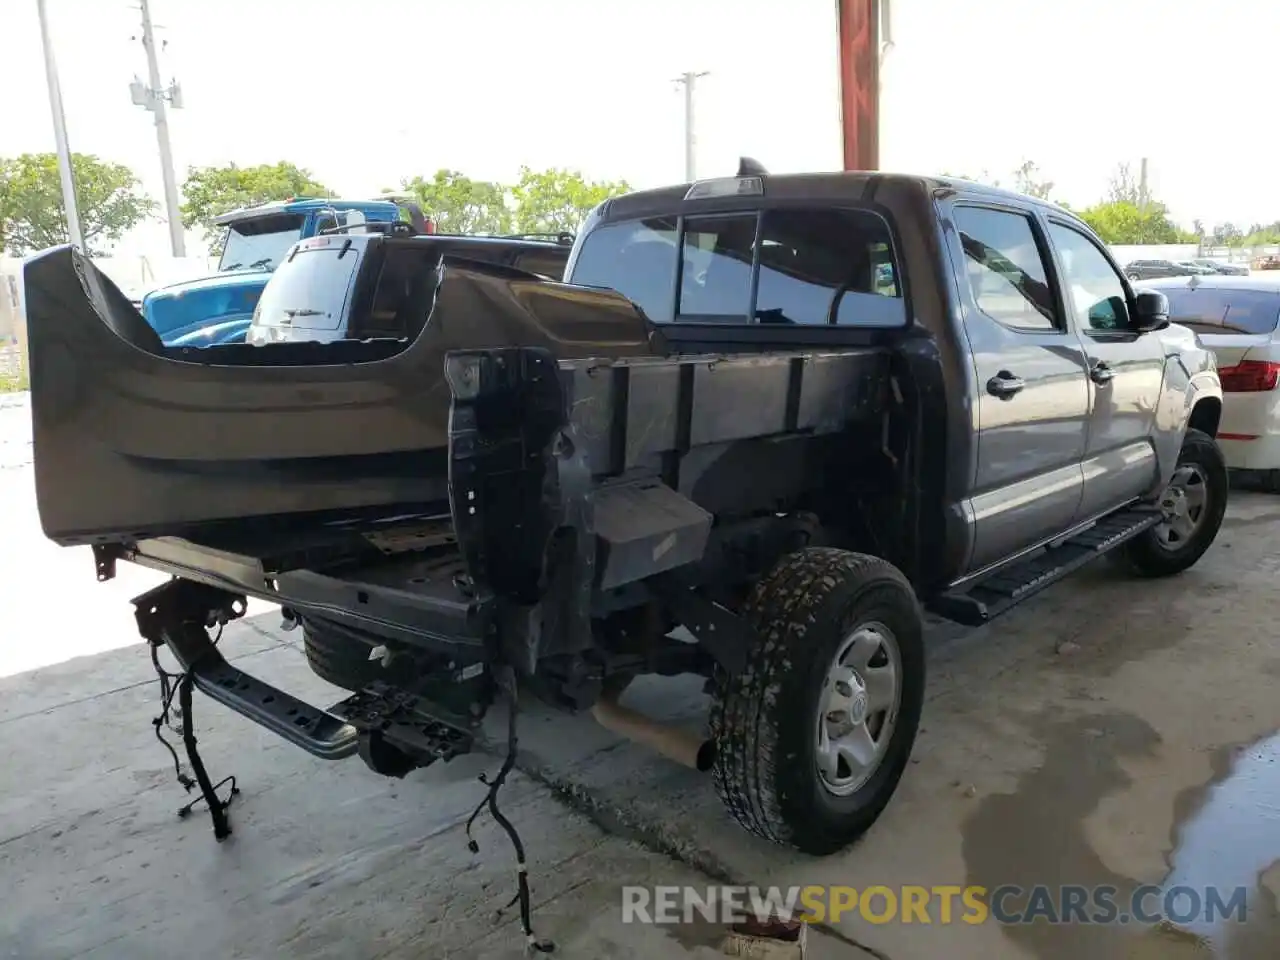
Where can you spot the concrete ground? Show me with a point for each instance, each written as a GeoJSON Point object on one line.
{"type": "Point", "coordinates": [1108, 732]}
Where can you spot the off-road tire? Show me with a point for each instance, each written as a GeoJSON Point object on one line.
{"type": "Point", "coordinates": [764, 720]}
{"type": "Point", "coordinates": [339, 655]}
{"type": "Point", "coordinates": [1145, 555]}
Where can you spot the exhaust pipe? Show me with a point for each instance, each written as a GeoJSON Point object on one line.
{"type": "Point", "coordinates": [675, 743]}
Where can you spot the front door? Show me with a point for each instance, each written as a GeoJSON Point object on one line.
{"type": "Point", "coordinates": [1126, 372]}
{"type": "Point", "coordinates": [1032, 385]}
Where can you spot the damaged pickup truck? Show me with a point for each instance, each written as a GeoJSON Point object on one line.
{"type": "Point", "coordinates": [784, 413]}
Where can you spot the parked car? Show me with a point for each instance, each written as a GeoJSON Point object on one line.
{"type": "Point", "coordinates": [725, 420]}
{"type": "Point", "coordinates": [1223, 267]}
{"type": "Point", "coordinates": [1195, 269]}
{"type": "Point", "coordinates": [307, 298]}
{"type": "Point", "coordinates": [217, 309]}
{"type": "Point", "coordinates": [1269, 261]}
{"type": "Point", "coordinates": [1148, 269]}
{"type": "Point", "coordinates": [1238, 319]}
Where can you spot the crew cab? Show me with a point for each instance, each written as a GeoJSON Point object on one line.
{"type": "Point", "coordinates": [783, 413]}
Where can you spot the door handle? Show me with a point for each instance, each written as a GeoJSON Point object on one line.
{"type": "Point", "coordinates": [1004, 385]}
{"type": "Point", "coordinates": [1101, 373]}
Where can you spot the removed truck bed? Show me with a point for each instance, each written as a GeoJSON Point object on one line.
{"type": "Point", "coordinates": [188, 437]}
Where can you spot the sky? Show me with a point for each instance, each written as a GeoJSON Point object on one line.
{"type": "Point", "coordinates": [366, 92]}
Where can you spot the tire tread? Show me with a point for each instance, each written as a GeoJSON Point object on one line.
{"type": "Point", "coordinates": [781, 608]}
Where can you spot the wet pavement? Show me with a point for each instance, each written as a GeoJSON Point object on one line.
{"type": "Point", "coordinates": [1112, 736]}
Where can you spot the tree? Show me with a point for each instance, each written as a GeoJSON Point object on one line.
{"type": "Point", "coordinates": [1024, 181]}
{"type": "Point", "coordinates": [1123, 187]}
{"type": "Point", "coordinates": [1228, 235]}
{"type": "Point", "coordinates": [1122, 222]}
{"type": "Point", "coordinates": [459, 204]}
{"type": "Point", "coordinates": [209, 192]}
{"type": "Point", "coordinates": [556, 201]}
{"type": "Point", "coordinates": [109, 200]}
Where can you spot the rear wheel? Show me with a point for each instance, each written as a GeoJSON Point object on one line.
{"type": "Point", "coordinates": [813, 735]}
{"type": "Point", "coordinates": [1193, 503]}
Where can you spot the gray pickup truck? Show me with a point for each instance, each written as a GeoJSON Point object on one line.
{"type": "Point", "coordinates": [783, 413]}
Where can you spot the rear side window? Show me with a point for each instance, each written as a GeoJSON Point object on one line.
{"type": "Point", "coordinates": [797, 266]}
{"type": "Point", "coordinates": [1224, 310]}
{"type": "Point", "coordinates": [310, 291]}
{"type": "Point", "coordinates": [1006, 269]}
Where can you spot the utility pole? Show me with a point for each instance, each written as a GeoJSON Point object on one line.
{"type": "Point", "coordinates": [65, 173]}
{"type": "Point", "coordinates": [689, 81]}
{"type": "Point", "coordinates": [1142, 186]}
{"type": "Point", "coordinates": [153, 97]}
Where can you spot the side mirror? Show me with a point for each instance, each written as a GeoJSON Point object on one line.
{"type": "Point", "coordinates": [1150, 311]}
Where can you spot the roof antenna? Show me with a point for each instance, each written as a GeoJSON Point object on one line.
{"type": "Point", "coordinates": [751, 167]}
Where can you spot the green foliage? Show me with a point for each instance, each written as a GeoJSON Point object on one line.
{"type": "Point", "coordinates": [109, 199]}
{"type": "Point", "coordinates": [555, 200]}
{"type": "Point", "coordinates": [1123, 222]}
{"type": "Point", "coordinates": [14, 383]}
{"type": "Point", "coordinates": [1261, 235]}
{"type": "Point", "coordinates": [459, 204]}
{"type": "Point", "coordinates": [209, 192]}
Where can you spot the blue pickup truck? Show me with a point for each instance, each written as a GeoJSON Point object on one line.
{"type": "Point", "coordinates": [217, 309]}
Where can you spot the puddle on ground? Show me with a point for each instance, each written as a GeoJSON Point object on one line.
{"type": "Point", "coordinates": [1227, 836]}
{"type": "Point", "coordinates": [1230, 840]}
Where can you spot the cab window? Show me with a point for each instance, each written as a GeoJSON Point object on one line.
{"type": "Point", "coordinates": [1006, 269]}
{"type": "Point", "coordinates": [789, 266]}
{"type": "Point", "coordinates": [1093, 289]}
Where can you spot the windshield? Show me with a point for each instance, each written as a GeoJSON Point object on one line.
{"type": "Point", "coordinates": [261, 243]}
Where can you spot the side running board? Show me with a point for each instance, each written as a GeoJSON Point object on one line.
{"type": "Point", "coordinates": [1005, 588]}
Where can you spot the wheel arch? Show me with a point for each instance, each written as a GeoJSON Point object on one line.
{"type": "Point", "coordinates": [1206, 415]}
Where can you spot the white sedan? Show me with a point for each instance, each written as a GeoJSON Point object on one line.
{"type": "Point", "coordinates": [1237, 318]}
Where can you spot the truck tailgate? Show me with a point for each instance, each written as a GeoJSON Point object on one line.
{"type": "Point", "coordinates": [135, 440]}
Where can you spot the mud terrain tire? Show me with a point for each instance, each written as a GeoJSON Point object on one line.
{"type": "Point", "coordinates": [765, 720]}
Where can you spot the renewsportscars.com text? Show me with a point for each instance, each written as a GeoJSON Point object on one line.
{"type": "Point", "coordinates": [943, 904]}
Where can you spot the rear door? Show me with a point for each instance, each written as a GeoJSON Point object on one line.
{"type": "Point", "coordinates": [1031, 416]}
